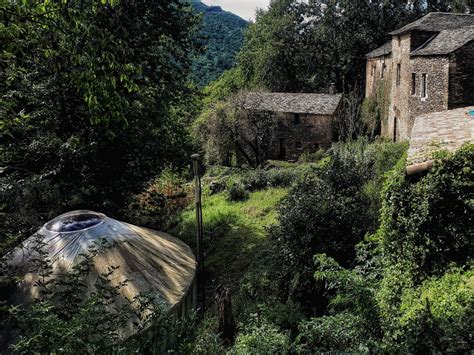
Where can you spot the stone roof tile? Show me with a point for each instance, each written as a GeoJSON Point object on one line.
{"type": "Point", "coordinates": [445, 130]}
{"type": "Point", "coordinates": [446, 41]}
{"type": "Point", "coordinates": [322, 104]}
{"type": "Point", "coordinates": [383, 50]}
{"type": "Point", "coordinates": [436, 22]}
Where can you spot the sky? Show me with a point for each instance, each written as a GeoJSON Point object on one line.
{"type": "Point", "coordinates": [243, 8]}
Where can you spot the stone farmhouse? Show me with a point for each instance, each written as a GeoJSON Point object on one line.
{"type": "Point", "coordinates": [304, 121]}
{"type": "Point", "coordinates": [427, 66]}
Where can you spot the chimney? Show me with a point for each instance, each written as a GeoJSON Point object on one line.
{"type": "Point", "coordinates": [332, 89]}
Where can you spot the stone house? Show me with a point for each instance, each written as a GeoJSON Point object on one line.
{"type": "Point", "coordinates": [427, 66]}
{"type": "Point", "coordinates": [304, 120]}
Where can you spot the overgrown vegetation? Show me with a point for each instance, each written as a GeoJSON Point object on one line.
{"type": "Point", "coordinates": [92, 105]}
{"type": "Point", "coordinates": [339, 252]}
{"type": "Point", "coordinates": [336, 272]}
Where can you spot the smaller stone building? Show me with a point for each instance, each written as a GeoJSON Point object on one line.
{"type": "Point", "coordinates": [304, 120]}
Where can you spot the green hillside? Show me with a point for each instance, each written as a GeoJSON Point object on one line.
{"type": "Point", "coordinates": [222, 36]}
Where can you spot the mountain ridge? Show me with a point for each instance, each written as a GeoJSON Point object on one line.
{"type": "Point", "coordinates": [222, 36]}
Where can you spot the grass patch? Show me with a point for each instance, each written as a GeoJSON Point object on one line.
{"type": "Point", "coordinates": [234, 232]}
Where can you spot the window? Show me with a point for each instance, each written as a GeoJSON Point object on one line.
{"type": "Point", "coordinates": [373, 69]}
{"type": "Point", "coordinates": [282, 152]}
{"type": "Point", "coordinates": [382, 73]}
{"type": "Point", "coordinates": [413, 83]}
{"type": "Point", "coordinates": [296, 118]}
{"type": "Point", "coordinates": [395, 129]}
{"type": "Point", "coordinates": [424, 88]}
{"type": "Point", "coordinates": [399, 69]}
{"type": "Point", "coordinates": [399, 40]}
{"type": "Point", "coordinates": [299, 145]}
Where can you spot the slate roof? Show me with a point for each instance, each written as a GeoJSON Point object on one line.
{"type": "Point", "coordinates": [445, 130]}
{"type": "Point", "coordinates": [318, 104]}
{"type": "Point", "coordinates": [446, 41]}
{"type": "Point", "coordinates": [437, 22]}
{"type": "Point", "coordinates": [386, 49]}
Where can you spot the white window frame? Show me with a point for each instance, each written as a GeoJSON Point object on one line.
{"type": "Point", "coordinates": [413, 84]}
{"type": "Point", "coordinates": [424, 87]}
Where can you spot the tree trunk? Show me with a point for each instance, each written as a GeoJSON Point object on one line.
{"type": "Point", "coordinates": [226, 317]}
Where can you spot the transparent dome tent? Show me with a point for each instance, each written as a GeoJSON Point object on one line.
{"type": "Point", "coordinates": [152, 262]}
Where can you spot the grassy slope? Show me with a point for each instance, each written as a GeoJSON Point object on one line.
{"type": "Point", "coordinates": [234, 232]}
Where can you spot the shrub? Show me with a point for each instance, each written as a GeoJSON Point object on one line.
{"type": "Point", "coordinates": [262, 339]}
{"type": "Point", "coordinates": [312, 157]}
{"type": "Point", "coordinates": [329, 210]}
{"type": "Point", "coordinates": [435, 317]}
{"type": "Point", "coordinates": [236, 191]}
{"type": "Point", "coordinates": [347, 290]}
{"type": "Point", "coordinates": [426, 229]}
{"type": "Point", "coordinates": [157, 206]}
{"type": "Point", "coordinates": [204, 339]}
{"type": "Point", "coordinates": [427, 222]}
{"type": "Point", "coordinates": [343, 332]}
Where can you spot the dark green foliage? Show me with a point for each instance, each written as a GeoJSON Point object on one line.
{"type": "Point", "coordinates": [259, 179]}
{"type": "Point", "coordinates": [158, 205]}
{"type": "Point", "coordinates": [75, 316]}
{"type": "Point", "coordinates": [297, 46]}
{"type": "Point", "coordinates": [236, 191]}
{"type": "Point", "coordinates": [428, 224]}
{"type": "Point", "coordinates": [330, 210]}
{"type": "Point", "coordinates": [343, 332]}
{"type": "Point", "coordinates": [90, 104]}
{"type": "Point", "coordinates": [426, 229]}
{"type": "Point", "coordinates": [221, 36]}
{"type": "Point", "coordinates": [261, 338]}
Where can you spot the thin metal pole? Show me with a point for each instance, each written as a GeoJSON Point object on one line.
{"type": "Point", "coordinates": [199, 229]}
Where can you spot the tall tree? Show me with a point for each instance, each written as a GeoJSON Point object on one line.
{"type": "Point", "coordinates": [88, 92]}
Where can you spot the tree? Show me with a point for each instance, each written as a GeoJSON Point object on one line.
{"type": "Point", "coordinates": [90, 98]}
{"type": "Point", "coordinates": [228, 132]}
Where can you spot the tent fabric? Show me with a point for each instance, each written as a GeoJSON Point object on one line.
{"type": "Point", "coordinates": [151, 261]}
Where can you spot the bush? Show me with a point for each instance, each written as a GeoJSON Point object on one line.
{"type": "Point", "coordinates": [237, 191]}
{"type": "Point", "coordinates": [157, 206]}
{"type": "Point", "coordinates": [329, 210]}
{"type": "Point", "coordinates": [426, 229]}
{"type": "Point", "coordinates": [261, 339]}
{"type": "Point", "coordinates": [343, 332]}
{"type": "Point", "coordinates": [312, 157]}
{"type": "Point", "coordinates": [427, 222]}
{"type": "Point", "coordinates": [435, 317]}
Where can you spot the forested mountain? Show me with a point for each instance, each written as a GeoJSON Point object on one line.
{"type": "Point", "coordinates": [221, 36]}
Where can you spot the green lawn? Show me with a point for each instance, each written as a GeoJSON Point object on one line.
{"type": "Point", "coordinates": [234, 232]}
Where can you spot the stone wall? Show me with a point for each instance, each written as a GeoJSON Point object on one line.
{"type": "Point", "coordinates": [297, 135]}
{"type": "Point", "coordinates": [449, 81]}
{"type": "Point", "coordinates": [436, 69]}
{"type": "Point", "coordinates": [399, 111]}
{"type": "Point", "coordinates": [461, 77]}
{"type": "Point", "coordinates": [374, 73]}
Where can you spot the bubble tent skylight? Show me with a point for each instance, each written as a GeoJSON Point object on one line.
{"type": "Point", "coordinates": [75, 221]}
{"type": "Point", "coordinates": [152, 262]}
